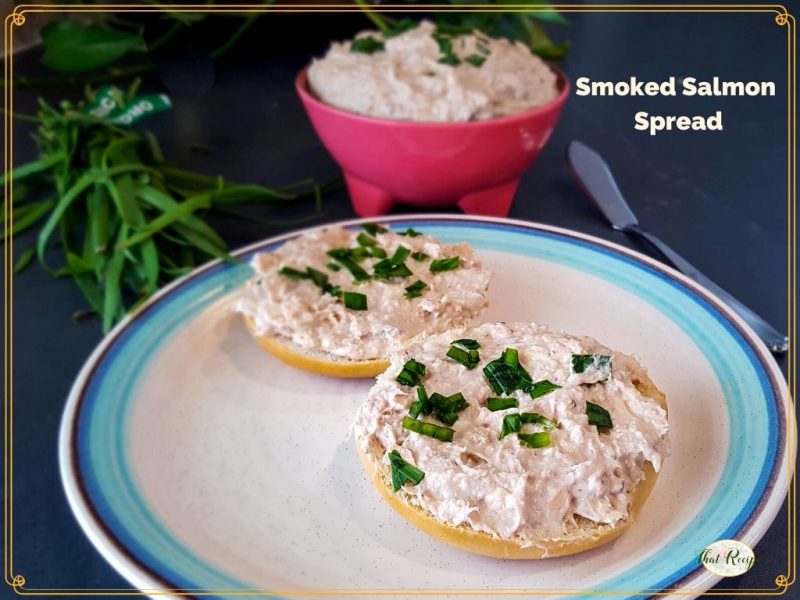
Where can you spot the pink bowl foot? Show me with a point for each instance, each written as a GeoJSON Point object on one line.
{"type": "Point", "coordinates": [492, 202]}
{"type": "Point", "coordinates": [368, 200]}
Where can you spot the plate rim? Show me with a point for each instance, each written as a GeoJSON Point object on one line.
{"type": "Point", "coordinates": [143, 577]}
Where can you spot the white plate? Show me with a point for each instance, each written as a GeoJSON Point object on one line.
{"type": "Point", "coordinates": [195, 461]}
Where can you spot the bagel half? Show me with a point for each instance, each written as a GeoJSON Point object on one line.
{"type": "Point", "coordinates": [585, 536]}
{"type": "Point", "coordinates": [316, 361]}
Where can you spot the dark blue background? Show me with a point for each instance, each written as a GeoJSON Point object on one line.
{"type": "Point", "coordinates": [719, 198]}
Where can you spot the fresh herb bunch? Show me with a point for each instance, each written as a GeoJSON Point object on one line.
{"type": "Point", "coordinates": [526, 26]}
{"type": "Point", "coordinates": [125, 220]}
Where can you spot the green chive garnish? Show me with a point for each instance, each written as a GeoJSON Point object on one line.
{"type": "Point", "coordinates": [354, 301]}
{"type": "Point", "coordinates": [538, 419]}
{"type": "Point", "coordinates": [403, 472]}
{"type": "Point", "coordinates": [468, 358]}
{"type": "Point", "coordinates": [495, 404]}
{"type": "Point", "coordinates": [443, 434]}
{"type": "Point", "coordinates": [411, 233]}
{"type": "Point", "coordinates": [373, 228]}
{"type": "Point", "coordinates": [505, 374]}
{"type": "Point", "coordinates": [319, 278]}
{"type": "Point", "coordinates": [399, 255]}
{"type": "Point", "coordinates": [466, 343]}
{"type": "Point", "coordinates": [359, 253]}
{"type": "Point", "coordinates": [344, 257]}
{"type": "Point", "coordinates": [364, 240]}
{"type": "Point", "coordinates": [419, 256]}
{"type": "Point", "coordinates": [415, 289]}
{"type": "Point", "coordinates": [581, 362]}
{"type": "Point", "coordinates": [476, 60]}
{"type": "Point", "coordinates": [366, 45]}
{"type": "Point", "coordinates": [422, 405]}
{"type": "Point", "coordinates": [446, 408]}
{"type": "Point", "coordinates": [377, 252]}
{"type": "Point", "coordinates": [511, 424]}
{"type": "Point", "coordinates": [411, 374]}
{"type": "Point", "coordinates": [598, 416]}
{"type": "Point", "coordinates": [293, 273]}
{"type": "Point", "coordinates": [540, 388]}
{"type": "Point", "coordinates": [535, 440]}
{"type": "Point", "coordinates": [445, 264]}
{"type": "Point", "coordinates": [333, 266]}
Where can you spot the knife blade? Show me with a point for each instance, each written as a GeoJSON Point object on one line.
{"type": "Point", "coordinates": [598, 182]}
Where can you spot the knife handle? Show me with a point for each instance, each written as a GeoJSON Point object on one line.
{"type": "Point", "coordinates": [775, 341]}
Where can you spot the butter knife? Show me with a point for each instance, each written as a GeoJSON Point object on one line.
{"type": "Point", "coordinates": [596, 179]}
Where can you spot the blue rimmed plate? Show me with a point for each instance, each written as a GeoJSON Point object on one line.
{"type": "Point", "coordinates": [195, 461]}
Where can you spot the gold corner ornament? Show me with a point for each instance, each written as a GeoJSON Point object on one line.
{"type": "Point", "coordinates": [782, 582]}
{"type": "Point", "coordinates": [782, 18]}
{"type": "Point", "coordinates": [17, 19]}
{"type": "Point", "coordinates": [18, 581]}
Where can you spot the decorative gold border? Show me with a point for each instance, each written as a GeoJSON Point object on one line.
{"type": "Point", "coordinates": [17, 19]}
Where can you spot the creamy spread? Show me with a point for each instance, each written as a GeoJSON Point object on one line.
{"type": "Point", "coordinates": [407, 80]}
{"type": "Point", "coordinates": [298, 310]}
{"type": "Point", "coordinates": [502, 487]}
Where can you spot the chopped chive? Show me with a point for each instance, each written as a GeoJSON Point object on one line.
{"type": "Point", "coordinates": [359, 253]}
{"type": "Point", "coordinates": [373, 228]}
{"type": "Point", "coordinates": [377, 252]}
{"type": "Point", "coordinates": [443, 434]}
{"type": "Point", "coordinates": [510, 356]}
{"type": "Point", "coordinates": [319, 278]}
{"type": "Point", "coordinates": [538, 419]}
{"type": "Point", "coordinates": [422, 405]}
{"type": "Point", "coordinates": [293, 273]}
{"type": "Point", "coordinates": [495, 404]}
{"type": "Point", "coordinates": [399, 255]}
{"type": "Point", "coordinates": [411, 374]}
{"type": "Point", "coordinates": [535, 440]}
{"type": "Point", "coordinates": [335, 290]}
{"type": "Point", "coordinates": [540, 388]}
{"type": "Point", "coordinates": [468, 358]}
{"type": "Point", "coordinates": [466, 343]}
{"type": "Point", "coordinates": [386, 270]}
{"type": "Point", "coordinates": [501, 377]}
{"type": "Point", "coordinates": [411, 233]}
{"type": "Point", "coordinates": [581, 362]}
{"type": "Point", "coordinates": [403, 472]}
{"type": "Point", "coordinates": [419, 256]}
{"type": "Point", "coordinates": [364, 240]}
{"type": "Point", "coordinates": [446, 408]}
{"type": "Point", "coordinates": [476, 60]}
{"type": "Point", "coordinates": [511, 424]}
{"type": "Point", "coordinates": [354, 301]}
{"type": "Point", "coordinates": [415, 289]}
{"type": "Point", "coordinates": [366, 45]}
{"type": "Point", "coordinates": [343, 257]}
{"type": "Point", "coordinates": [598, 416]}
{"type": "Point", "coordinates": [445, 264]}
{"type": "Point", "coordinates": [333, 266]}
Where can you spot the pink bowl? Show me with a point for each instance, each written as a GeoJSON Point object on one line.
{"type": "Point", "coordinates": [475, 165]}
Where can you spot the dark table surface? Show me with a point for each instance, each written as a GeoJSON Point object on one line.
{"type": "Point", "coordinates": [719, 198]}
